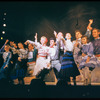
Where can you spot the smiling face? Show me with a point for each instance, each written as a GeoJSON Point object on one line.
{"type": "Point", "coordinates": [52, 43]}
{"type": "Point", "coordinates": [78, 35]}
{"type": "Point", "coordinates": [11, 43]}
{"type": "Point", "coordinates": [15, 45]}
{"type": "Point", "coordinates": [60, 34]}
{"type": "Point", "coordinates": [95, 33]}
{"type": "Point", "coordinates": [20, 45]}
{"type": "Point", "coordinates": [30, 47]}
{"type": "Point", "coordinates": [68, 36]}
{"type": "Point", "coordinates": [84, 40]}
{"type": "Point", "coordinates": [6, 48]}
{"type": "Point", "coordinates": [43, 40]}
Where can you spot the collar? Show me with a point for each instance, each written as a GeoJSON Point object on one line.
{"type": "Point", "coordinates": [51, 47]}
{"type": "Point", "coordinates": [97, 38]}
{"type": "Point", "coordinates": [79, 39]}
{"type": "Point", "coordinates": [86, 44]}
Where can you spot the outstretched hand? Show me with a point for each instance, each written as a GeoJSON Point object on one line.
{"type": "Point", "coordinates": [55, 33]}
{"type": "Point", "coordinates": [6, 41]}
{"type": "Point", "coordinates": [35, 36]}
{"type": "Point", "coordinates": [90, 21]}
{"type": "Point", "coordinates": [89, 25]}
{"type": "Point", "coordinates": [26, 42]}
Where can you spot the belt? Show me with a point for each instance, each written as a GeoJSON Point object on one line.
{"type": "Point", "coordinates": [98, 55]}
{"type": "Point", "coordinates": [31, 62]}
{"type": "Point", "coordinates": [41, 56]}
{"type": "Point", "coordinates": [54, 59]}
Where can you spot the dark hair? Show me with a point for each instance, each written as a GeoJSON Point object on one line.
{"type": "Point", "coordinates": [78, 31]}
{"type": "Point", "coordinates": [52, 39]}
{"type": "Point", "coordinates": [7, 45]}
{"type": "Point", "coordinates": [31, 44]}
{"type": "Point", "coordinates": [96, 29]}
{"type": "Point", "coordinates": [86, 37]}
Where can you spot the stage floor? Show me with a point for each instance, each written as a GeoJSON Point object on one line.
{"type": "Point", "coordinates": [27, 81]}
{"type": "Point", "coordinates": [95, 79]}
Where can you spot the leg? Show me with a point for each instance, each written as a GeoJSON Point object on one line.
{"type": "Point", "coordinates": [87, 75]}
{"type": "Point", "coordinates": [56, 67]}
{"type": "Point", "coordinates": [74, 80]}
{"type": "Point", "coordinates": [84, 75]}
{"type": "Point", "coordinates": [89, 78]}
{"type": "Point", "coordinates": [68, 81]}
{"type": "Point", "coordinates": [21, 81]}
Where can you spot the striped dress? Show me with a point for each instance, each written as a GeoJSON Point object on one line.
{"type": "Point", "coordinates": [68, 66]}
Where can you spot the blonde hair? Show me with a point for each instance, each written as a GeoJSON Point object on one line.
{"type": "Point", "coordinates": [46, 40]}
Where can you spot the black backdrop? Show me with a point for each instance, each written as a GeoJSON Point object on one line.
{"type": "Point", "coordinates": [25, 18]}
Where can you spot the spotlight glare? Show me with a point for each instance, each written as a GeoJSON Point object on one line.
{"type": "Point", "coordinates": [3, 18]}
{"type": "Point", "coordinates": [4, 25]}
{"type": "Point", "coordinates": [4, 13]}
{"type": "Point", "coordinates": [1, 38]}
{"type": "Point", "coordinates": [3, 32]}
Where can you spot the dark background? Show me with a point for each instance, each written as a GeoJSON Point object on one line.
{"type": "Point", "coordinates": [25, 18]}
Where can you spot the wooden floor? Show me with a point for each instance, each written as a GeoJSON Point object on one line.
{"type": "Point", "coordinates": [95, 78]}
{"type": "Point", "coordinates": [27, 81]}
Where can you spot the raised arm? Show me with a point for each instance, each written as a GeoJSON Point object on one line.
{"type": "Point", "coordinates": [37, 44]}
{"type": "Point", "coordinates": [35, 37]}
{"type": "Point", "coordinates": [89, 28]}
{"type": "Point", "coordinates": [55, 34]}
{"type": "Point", "coordinates": [2, 49]}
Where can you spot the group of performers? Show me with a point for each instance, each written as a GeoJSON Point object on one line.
{"type": "Point", "coordinates": [67, 58]}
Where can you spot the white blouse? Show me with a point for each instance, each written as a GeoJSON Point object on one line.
{"type": "Point", "coordinates": [42, 50]}
{"type": "Point", "coordinates": [68, 45]}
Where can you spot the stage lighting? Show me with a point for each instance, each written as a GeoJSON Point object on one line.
{"type": "Point", "coordinates": [3, 18]}
{"type": "Point", "coordinates": [3, 32]}
{"type": "Point", "coordinates": [4, 25]}
{"type": "Point", "coordinates": [4, 13]}
{"type": "Point", "coordinates": [1, 38]}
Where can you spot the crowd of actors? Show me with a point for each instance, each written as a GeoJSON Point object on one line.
{"type": "Point", "coordinates": [65, 57]}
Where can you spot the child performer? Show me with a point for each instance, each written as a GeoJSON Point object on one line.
{"type": "Point", "coordinates": [68, 66]}
{"type": "Point", "coordinates": [77, 46]}
{"type": "Point", "coordinates": [88, 61]}
{"type": "Point", "coordinates": [42, 60]}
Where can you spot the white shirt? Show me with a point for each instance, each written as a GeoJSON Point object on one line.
{"type": "Point", "coordinates": [52, 51]}
{"type": "Point", "coordinates": [30, 55]}
{"type": "Point", "coordinates": [68, 45]}
{"type": "Point", "coordinates": [42, 50]}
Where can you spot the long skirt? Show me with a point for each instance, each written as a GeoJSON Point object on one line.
{"type": "Point", "coordinates": [5, 72]}
{"type": "Point", "coordinates": [68, 66]}
{"type": "Point", "coordinates": [41, 63]}
{"type": "Point", "coordinates": [20, 69]}
{"type": "Point", "coordinates": [91, 64]}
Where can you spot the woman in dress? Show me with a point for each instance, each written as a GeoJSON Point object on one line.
{"type": "Point", "coordinates": [21, 64]}
{"type": "Point", "coordinates": [88, 62]}
{"type": "Point", "coordinates": [68, 66]}
{"type": "Point", "coordinates": [43, 60]}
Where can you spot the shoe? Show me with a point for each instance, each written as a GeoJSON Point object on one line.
{"type": "Point", "coordinates": [89, 84]}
